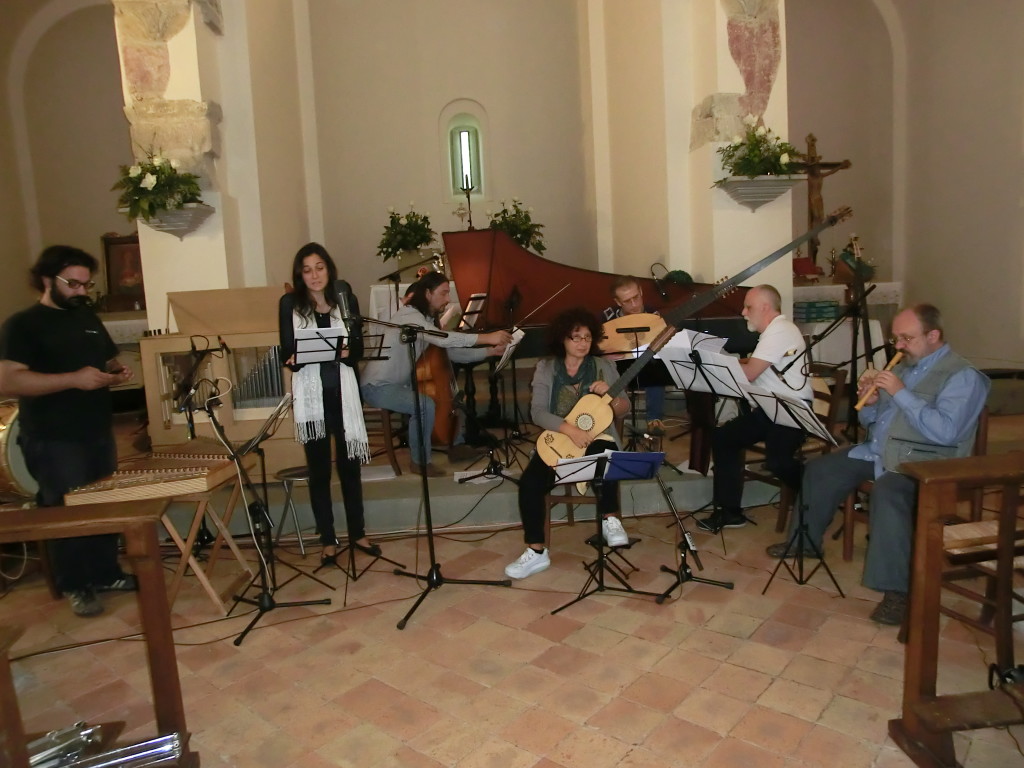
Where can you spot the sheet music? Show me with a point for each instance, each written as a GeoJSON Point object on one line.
{"type": "Point", "coordinates": [789, 411]}
{"type": "Point", "coordinates": [318, 345]}
{"type": "Point", "coordinates": [718, 373]}
{"type": "Point", "coordinates": [474, 307]}
{"type": "Point", "coordinates": [700, 341]}
{"type": "Point", "coordinates": [517, 336]}
{"type": "Point", "coordinates": [580, 469]}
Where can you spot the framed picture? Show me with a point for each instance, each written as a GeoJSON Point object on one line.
{"type": "Point", "coordinates": [122, 261]}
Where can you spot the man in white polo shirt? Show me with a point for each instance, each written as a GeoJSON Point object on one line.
{"type": "Point", "coordinates": [779, 345]}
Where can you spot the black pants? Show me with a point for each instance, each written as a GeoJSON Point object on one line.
{"type": "Point", "coordinates": [731, 440]}
{"type": "Point", "coordinates": [537, 481]}
{"type": "Point", "coordinates": [318, 459]}
{"type": "Point", "coordinates": [58, 466]}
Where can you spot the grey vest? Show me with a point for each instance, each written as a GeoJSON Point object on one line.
{"type": "Point", "coordinates": [904, 442]}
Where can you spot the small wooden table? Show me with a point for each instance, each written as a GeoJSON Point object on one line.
{"type": "Point", "coordinates": [137, 521]}
{"type": "Point", "coordinates": [924, 732]}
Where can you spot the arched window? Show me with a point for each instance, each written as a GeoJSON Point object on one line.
{"type": "Point", "coordinates": [465, 155]}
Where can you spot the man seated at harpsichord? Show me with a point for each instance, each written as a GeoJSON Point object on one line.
{"type": "Point", "coordinates": [59, 361]}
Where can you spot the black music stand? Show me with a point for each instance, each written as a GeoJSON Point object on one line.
{"type": "Point", "coordinates": [316, 345]}
{"type": "Point", "coordinates": [434, 579]}
{"type": "Point", "coordinates": [597, 469]}
{"type": "Point", "coordinates": [791, 412]}
{"type": "Point", "coordinates": [654, 374]}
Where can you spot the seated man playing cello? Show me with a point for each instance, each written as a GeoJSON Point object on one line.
{"type": "Point", "coordinates": [386, 383]}
{"type": "Point", "coordinates": [558, 382]}
{"type": "Point", "coordinates": [629, 300]}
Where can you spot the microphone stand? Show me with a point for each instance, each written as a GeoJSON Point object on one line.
{"type": "Point", "coordinates": [433, 578]}
{"type": "Point", "coordinates": [260, 529]}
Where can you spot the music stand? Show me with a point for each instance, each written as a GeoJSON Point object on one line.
{"type": "Point", "coordinates": [788, 411]}
{"type": "Point", "coordinates": [654, 374]}
{"type": "Point", "coordinates": [433, 578]}
{"type": "Point", "coordinates": [599, 468]}
{"type": "Point", "coordinates": [319, 345]}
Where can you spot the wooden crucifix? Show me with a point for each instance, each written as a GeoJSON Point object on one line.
{"type": "Point", "coordinates": [816, 171]}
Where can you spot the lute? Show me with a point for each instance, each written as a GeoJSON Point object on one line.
{"type": "Point", "coordinates": [593, 413]}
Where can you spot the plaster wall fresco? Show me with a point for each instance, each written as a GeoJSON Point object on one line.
{"type": "Point", "coordinates": [755, 43]}
{"type": "Point", "coordinates": [178, 129]}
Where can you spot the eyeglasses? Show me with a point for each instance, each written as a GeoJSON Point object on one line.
{"type": "Point", "coordinates": [76, 284]}
{"type": "Point", "coordinates": [581, 339]}
{"type": "Point", "coordinates": [904, 338]}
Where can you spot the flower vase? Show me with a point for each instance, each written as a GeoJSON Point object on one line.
{"type": "Point", "coordinates": [755, 192]}
{"type": "Point", "coordinates": [181, 221]}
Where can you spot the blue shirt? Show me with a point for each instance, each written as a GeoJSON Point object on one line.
{"type": "Point", "coordinates": [946, 421]}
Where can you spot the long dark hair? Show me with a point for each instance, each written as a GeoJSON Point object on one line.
{"type": "Point", "coordinates": [429, 282]}
{"type": "Point", "coordinates": [55, 259]}
{"type": "Point", "coordinates": [566, 322]}
{"type": "Point", "coordinates": [303, 302]}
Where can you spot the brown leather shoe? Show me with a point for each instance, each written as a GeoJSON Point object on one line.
{"type": "Point", "coordinates": [432, 471]}
{"type": "Point", "coordinates": [892, 610]}
{"type": "Point", "coordinates": [463, 452]}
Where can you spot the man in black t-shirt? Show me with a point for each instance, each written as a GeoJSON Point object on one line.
{"type": "Point", "coordinates": [59, 361]}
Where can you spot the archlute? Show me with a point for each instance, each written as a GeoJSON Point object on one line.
{"type": "Point", "coordinates": [593, 413]}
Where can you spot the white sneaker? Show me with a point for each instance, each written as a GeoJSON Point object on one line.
{"type": "Point", "coordinates": [614, 533]}
{"type": "Point", "coordinates": [529, 563]}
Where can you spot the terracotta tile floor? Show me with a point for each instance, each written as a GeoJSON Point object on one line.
{"type": "Point", "coordinates": [486, 676]}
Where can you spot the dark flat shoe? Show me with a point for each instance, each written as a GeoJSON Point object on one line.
{"type": "Point", "coordinates": [329, 559]}
{"type": "Point", "coordinates": [373, 550]}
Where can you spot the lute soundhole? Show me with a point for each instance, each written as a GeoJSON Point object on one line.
{"type": "Point", "coordinates": [585, 422]}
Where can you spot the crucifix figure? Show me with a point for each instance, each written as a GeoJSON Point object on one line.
{"type": "Point", "coordinates": [816, 170]}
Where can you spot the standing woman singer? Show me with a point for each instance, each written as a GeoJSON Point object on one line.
{"type": "Point", "coordinates": [326, 398]}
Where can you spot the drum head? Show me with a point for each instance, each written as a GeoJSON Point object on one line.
{"type": "Point", "coordinates": [14, 475]}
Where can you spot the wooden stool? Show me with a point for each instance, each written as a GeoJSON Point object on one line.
{"type": "Point", "coordinates": [570, 501]}
{"type": "Point", "coordinates": [382, 416]}
{"type": "Point", "coordinates": [288, 478]}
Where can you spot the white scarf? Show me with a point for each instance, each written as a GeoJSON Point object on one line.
{"type": "Point", "coordinates": [308, 405]}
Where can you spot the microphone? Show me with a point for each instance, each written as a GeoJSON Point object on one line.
{"type": "Point", "coordinates": [659, 283]}
{"type": "Point", "coordinates": [342, 288]}
{"type": "Point", "coordinates": [223, 344]}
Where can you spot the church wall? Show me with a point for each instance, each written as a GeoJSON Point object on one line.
{"type": "Point", "coordinates": [78, 136]}
{"type": "Point", "coordinates": [383, 72]}
{"type": "Point", "coordinates": [841, 90]}
{"type": "Point", "coordinates": [15, 255]}
{"type": "Point", "coordinates": [278, 143]}
{"type": "Point", "coordinates": [636, 107]}
{"type": "Point", "coordinates": [966, 237]}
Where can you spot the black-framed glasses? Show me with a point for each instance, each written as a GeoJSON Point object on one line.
{"type": "Point", "coordinates": [76, 284]}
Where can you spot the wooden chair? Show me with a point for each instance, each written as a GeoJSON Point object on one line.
{"type": "Point", "coordinates": [854, 513]}
{"type": "Point", "coordinates": [378, 423]}
{"type": "Point", "coordinates": [568, 496]}
{"type": "Point", "coordinates": [971, 551]}
{"type": "Point", "coordinates": [828, 384]}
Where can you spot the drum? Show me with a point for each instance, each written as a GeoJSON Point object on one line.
{"type": "Point", "coordinates": [14, 476]}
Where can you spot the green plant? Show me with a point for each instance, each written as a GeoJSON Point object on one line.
{"type": "Point", "coordinates": [519, 225]}
{"type": "Point", "coordinates": [405, 232]}
{"type": "Point", "coordinates": [155, 185]}
{"type": "Point", "coordinates": [758, 153]}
